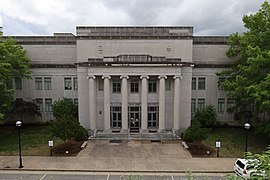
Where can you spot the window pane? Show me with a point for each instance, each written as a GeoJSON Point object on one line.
{"type": "Point", "coordinates": [48, 105]}
{"type": "Point", "coordinates": [193, 84]}
{"type": "Point", "coordinates": [193, 105]}
{"type": "Point", "coordinates": [230, 104]}
{"type": "Point", "coordinates": [134, 87]}
{"type": "Point", "coordinates": [201, 104]}
{"type": "Point", "coordinates": [38, 83]}
{"type": "Point", "coordinates": [116, 86]}
{"type": "Point", "coordinates": [47, 83]}
{"type": "Point", "coordinates": [75, 83]}
{"type": "Point", "coordinates": [18, 84]}
{"type": "Point", "coordinates": [219, 86]}
{"type": "Point", "coordinates": [39, 103]}
{"type": "Point", "coordinates": [201, 83]}
{"type": "Point", "coordinates": [67, 83]}
{"type": "Point", "coordinates": [221, 105]}
{"type": "Point", "coordinates": [168, 85]}
{"type": "Point", "coordinates": [100, 85]}
{"type": "Point", "coordinates": [152, 86]}
{"type": "Point", "coordinates": [9, 84]}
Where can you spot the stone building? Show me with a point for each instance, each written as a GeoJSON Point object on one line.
{"type": "Point", "coordinates": [127, 79]}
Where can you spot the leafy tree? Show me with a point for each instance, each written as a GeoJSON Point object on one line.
{"type": "Point", "coordinates": [20, 108]}
{"type": "Point", "coordinates": [13, 64]}
{"type": "Point", "coordinates": [248, 81]}
{"type": "Point", "coordinates": [195, 132]}
{"type": "Point", "coordinates": [207, 116]}
{"type": "Point", "coordinates": [64, 108]}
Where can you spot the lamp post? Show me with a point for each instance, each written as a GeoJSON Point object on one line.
{"type": "Point", "coordinates": [247, 127]}
{"type": "Point", "coordinates": [19, 124]}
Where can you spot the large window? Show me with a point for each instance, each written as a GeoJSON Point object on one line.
{"type": "Point", "coordinates": [201, 104]}
{"type": "Point", "coordinates": [193, 105]}
{"type": "Point", "coordinates": [230, 104]}
{"type": "Point", "coordinates": [100, 85]}
{"type": "Point", "coordinates": [134, 86]}
{"type": "Point", "coordinates": [67, 83]}
{"type": "Point", "coordinates": [39, 102]}
{"type": "Point", "coordinates": [220, 79]}
{"type": "Point", "coordinates": [116, 117]}
{"type": "Point", "coordinates": [48, 83]}
{"type": "Point", "coordinates": [116, 87]}
{"type": "Point", "coordinates": [193, 83]}
{"type": "Point", "coordinates": [75, 83]}
{"type": "Point", "coordinates": [168, 85]}
{"type": "Point", "coordinates": [152, 86]}
{"type": "Point", "coordinates": [221, 105]}
{"type": "Point", "coordinates": [201, 83]}
{"type": "Point", "coordinates": [38, 83]}
{"type": "Point", "coordinates": [18, 84]}
{"type": "Point", "coordinates": [48, 105]}
{"type": "Point", "coordinates": [152, 116]}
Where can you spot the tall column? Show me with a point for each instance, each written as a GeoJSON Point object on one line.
{"type": "Point", "coordinates": [124, 92]}
{"type": "Point", "coordinates": [162, 103]}
{"type": "Point", "coordinates": [176, 104]}
{"type": "Point", "coordinates": [107, 103]}
{"type": "Point", "coordinates": [144, 95]}
{"type": "Point", "coordinates": [92, 102]}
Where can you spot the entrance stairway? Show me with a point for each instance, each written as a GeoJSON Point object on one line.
{"type": "Point", "coordinates": [135, 136]}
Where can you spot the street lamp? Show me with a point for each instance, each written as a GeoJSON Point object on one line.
{"type": "Point", "coordinates": [247, 127]}
{"type": "Point", "coordinates": [19, 124]}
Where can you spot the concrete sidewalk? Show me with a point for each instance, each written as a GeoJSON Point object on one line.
{"type": "Point", "coordinates": [129, 156]}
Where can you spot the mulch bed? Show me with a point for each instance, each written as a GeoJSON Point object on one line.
{"type": "Point", "coordinates": [198, 149]}
{"type": "Point", "coordinates": [70, 148]}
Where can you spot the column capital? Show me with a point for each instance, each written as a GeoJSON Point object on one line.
{"type": "Point", "coordinates": [124, 76]}
{"type": "Point", "coordinates": [162, 76]}
{"type": "Point", "coordinates": [106, 76]}
{"type": "Point", "coordinates": [91, 77]}
{"type": "Point", "coordinates": [144, 76]}
{"type": "Point", "coordinates": [177, 76]}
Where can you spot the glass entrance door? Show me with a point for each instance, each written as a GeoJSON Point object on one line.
{"type": "Point", "coordinates": [134, 119]}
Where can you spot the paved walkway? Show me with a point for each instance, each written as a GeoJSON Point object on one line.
{"type": "Point", "coordinates": [128, 156]}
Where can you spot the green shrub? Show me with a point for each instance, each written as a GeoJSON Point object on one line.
{"type": "Point", "coordinates": [64, 108]}
{"type": "Point", "coordinates": [195, 132]}
{"type": "Point", "coordinates": [207, 116]}
{"type": "Point", "coordinates": [81, 134]}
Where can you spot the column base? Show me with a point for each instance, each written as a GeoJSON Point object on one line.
{"type": "Point", "coordinates": [161, 131]}
{"type": "Point", "coordinates": [107, 131]}
{"type": "Point", "coordinates": [176, 133]}
{"type": "Point", "coordinates": [124, 131]}
{"type": "Point", "coordinates": [144, 131]}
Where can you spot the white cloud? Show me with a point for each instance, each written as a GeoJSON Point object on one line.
{"type": "Point", "coordinates": [209, 17]}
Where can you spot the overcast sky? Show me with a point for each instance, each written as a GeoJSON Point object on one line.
{"type": "Point", "coordinates": [44, 17]}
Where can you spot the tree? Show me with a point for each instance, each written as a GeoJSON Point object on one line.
{"type": "Point", "coordinates": [207, 116]}
{"type": "Point", "coordinates": [64, 108]}
{"type": "Point", "coordinates": [248, 80]}
{"type": "Point", "coordinates": [20, 108]}
{"type": "Point", "coordinates": [13, 64]}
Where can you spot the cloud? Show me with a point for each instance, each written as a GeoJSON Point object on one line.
{"type": "Point", "coordinates": [209, 17]}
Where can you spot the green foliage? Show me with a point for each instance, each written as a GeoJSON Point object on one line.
{"type": "Point", "coordinates": [81, 134]}
{"type": "Point", "coordinates": [13, 64]}
{"type": "Point", "coordinates": [195, 132]}
{"type": "Point", "coordinates": [207, 116]}
{"type": "Point", "coordinates": [64, 108]}
{"type": "Point", "coordinates": [66, 129]}
{"type": "Point", "coordinates": [19, 108]}
{"type": "Point", "coordinates": [248, 81]}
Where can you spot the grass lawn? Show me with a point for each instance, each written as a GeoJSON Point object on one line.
{"type": "Point", "coordinates": [233, 141]}
{"type": "Point", "coordinates": [34, 140]}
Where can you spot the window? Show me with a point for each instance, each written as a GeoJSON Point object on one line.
{"type": "Point", "coordinates": [75, 83]}
{"type": "Point", "coordinates": [47, 83]}
{"type": "Point", "coordinates": [219, 86]}
{"type": "Point", "coordinates": [193, 83]}
{"type": "Point", "coordinates": [134, 86]}
{"type": "Point", "coordinates": [230, 104]}
{"type": "Point", "coordinates": [168, 85]}
{"type": "Point", "coordinates": [116, 117]}
{"type": "Point", "coordinates": [201, 83]}
{"type": "Point", "coordinates": [221, 105]}
{"type": "Point", "coordinates": [100, 85]}
{"type": "Point", "coordinates": [48, 105]}
{"type": "Point", "coordinates": [152, 86]}
{"type": "Point", "coordinates": [9, 84]}
{"type": "Point", "coordinates": [18, 84]}
{"type": "Point", "coordinates": [68, 83]}
{"type": "Point", "coordinates": [201, 104]}
{"type": "Point", "coordinates": [116, 87]}
{"type": "Point", "coordinates": [76, 102]}
{"type": "Point", "coordinates": [39, 102]}
{"type": "Point", "coordinates": [152, 116]}
{"type": "Point", "coordinates": [193, 105]}
{"type": "Point", "coordinates": [38, 83]}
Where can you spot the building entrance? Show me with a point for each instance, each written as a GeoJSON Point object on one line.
{"type": "Point", "coordinates": [134, 119]}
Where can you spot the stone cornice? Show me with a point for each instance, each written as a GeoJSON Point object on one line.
{"type": "Point", "coordinates": [52, 65]}
{"type": "Point", "coordinates": [212, 66]}
{"type": "Point", "coordinates": [44, 40]}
